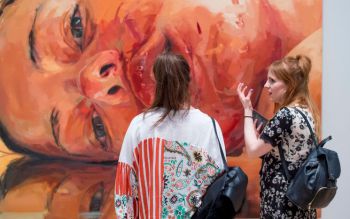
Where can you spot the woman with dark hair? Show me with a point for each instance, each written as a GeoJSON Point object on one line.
{"type": "Point", "coordinates": [287, 84]}
{"type": "Point", "coordinates": [170, 153]}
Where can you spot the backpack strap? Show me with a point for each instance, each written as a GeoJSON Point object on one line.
{"type": "Point", "coordinates": [221, 152]}
{"type": "Point", "coordinates": [283, 160]}
{"type": "Point", "coordinates": [308, 125]}
{"type": "Point", "coordinates": [225, 168]}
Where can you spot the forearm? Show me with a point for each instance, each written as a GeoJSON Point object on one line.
{"type": "Point", "coordinates": [250, 138]}
{"type": "Point", "coordinates": [255, 146]}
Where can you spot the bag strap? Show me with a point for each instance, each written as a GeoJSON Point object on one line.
{"type": "Point", "coordinates": [320, 144]}
{"type": "Point", "coordinates": [308, 125]}
{"type": "Point", "coordinates": [221, 152]}
{"type": "Point", "coordinates": [283, 160]}
{"type": "Point", "coordinates": [226, 170]}
{"type": "Point", "coordinates": [284, 164]}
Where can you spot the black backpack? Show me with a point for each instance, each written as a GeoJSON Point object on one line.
{"type": "Point", "coordinates": [315, 183]}
{"type": "Point", "coordinates": [225, 196]}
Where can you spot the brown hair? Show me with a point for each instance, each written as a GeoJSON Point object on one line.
{"type": "Point", "coordinates": [294, 72]}
{"type": "Point", "coordinates": [172, 74]}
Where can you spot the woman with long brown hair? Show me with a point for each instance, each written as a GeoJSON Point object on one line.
{"type": "Point", "coordinates": [170, 153]}
{"type": "Point", "coordinates": [287, 132]}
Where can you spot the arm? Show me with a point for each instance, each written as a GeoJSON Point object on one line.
{"type": "Point", "coordinates": [255, 147]}
{"type": "Point", "coordinates": [125, 197]}
{"type": "Point", "coordinates": [126, 182]}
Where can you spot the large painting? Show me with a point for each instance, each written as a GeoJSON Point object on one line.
{"type": "Point", "coordinates": [73, 73]}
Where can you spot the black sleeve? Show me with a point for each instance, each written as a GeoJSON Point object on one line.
{"type": "Point", "coordinates": [277, 127]}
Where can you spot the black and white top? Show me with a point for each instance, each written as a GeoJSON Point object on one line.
{"type": "Point", "coordinates": [289, 130]}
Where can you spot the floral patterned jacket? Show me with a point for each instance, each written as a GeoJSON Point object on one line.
{"type": "Point", "coordinates": [164, 171]}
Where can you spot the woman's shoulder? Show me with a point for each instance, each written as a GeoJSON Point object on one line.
{"type": "Point", "coordinates": [290, 110]}
{"type": "Point", "coordinates": [197, 112]}
{"type": "Point", "coordinates": [295, 113]}
{"type": "Point", "coordinates": [197, 116]}
{"type": "Point", "coordinates": [284, 112]}
{"type": "Point", "coordinates": [192, 116]}
{"type": "Point", "coordinates": [140, 118]}
{"type": "Point", "coordinates": [296, 109]}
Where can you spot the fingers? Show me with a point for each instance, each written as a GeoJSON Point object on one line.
{"type": "Point", "coordinates": [250, 93]}
{"type": "Point", "coordinates": [244, 89]}
{"type": "Point", "coordinates": [245, 99]}
{"type": "Point", "coordinates": [259, 128]}
{"type": "Point", "coordinates": [239, 87]}
{"type": "Point", "coordinates": [255, 129]}
{"type": "Point", "coordinates": [241, 90]}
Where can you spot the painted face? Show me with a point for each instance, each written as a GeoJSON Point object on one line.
{"type": "Point", "coordinates": [276, 88]}
{"type": "Point", "coordinates": [74, 73]}
{"type": "Point", "coordinates": [63, 92]}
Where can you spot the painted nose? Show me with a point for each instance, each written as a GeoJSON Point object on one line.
{"type": "Point", "coordinates": [101, 79]}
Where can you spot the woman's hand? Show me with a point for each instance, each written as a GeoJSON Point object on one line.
{"type": "Point", "coordinates": [255, 146]}
{"type": "Point", "coordinates": [245, 99]}
{"type": "Point", "coordinates": [258, 128]}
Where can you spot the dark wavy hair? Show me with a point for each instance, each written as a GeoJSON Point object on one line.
{"type": "Point", "coordinates": [172, 74]}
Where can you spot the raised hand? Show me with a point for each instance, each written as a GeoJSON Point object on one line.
{"type": "Point", "coordinates": [243, 97]}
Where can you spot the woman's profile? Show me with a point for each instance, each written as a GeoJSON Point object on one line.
{"type": "Point", "coordinates": [287, 85]}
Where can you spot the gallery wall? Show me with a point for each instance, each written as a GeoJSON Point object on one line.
{"type": "Point", "coordinates": [335, 99]}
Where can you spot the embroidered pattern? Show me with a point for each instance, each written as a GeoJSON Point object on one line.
{"type": "Point", "coordinates": [123, 206]}
{"type": "Point", "coordinates": [188, 171]}
{"type": "Point", "coordinates": [167, 179]}
{"type": "Point", "coordinates": [125, 199]}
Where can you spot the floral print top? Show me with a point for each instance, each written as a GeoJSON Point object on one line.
{"type": "Point", "coordinates": [288, 130]}
{"type": "Point", "coordinates": [165, 174]}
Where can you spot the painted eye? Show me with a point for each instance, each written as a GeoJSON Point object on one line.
{"type": "Point", "coordinates": [99, 130]}
{"type": "Point", "coordinates": [76, 26]}
{"type": "Point", "coordinates": [96, 200]}
{"type": "Point", "coordinates": [92, 209]}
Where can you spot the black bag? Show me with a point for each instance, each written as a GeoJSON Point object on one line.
{"type": "Point", "coordinates": [315, 183]}
{"type": "Point", "coordinates": [225, 196]}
